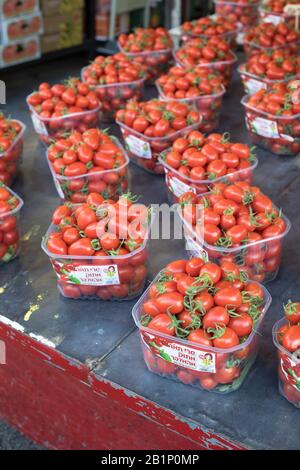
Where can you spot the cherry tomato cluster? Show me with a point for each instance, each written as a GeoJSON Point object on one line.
{"type": "Point", "coordinates": [270, 36]}
{"type": "Point", "coordinates": [116, 79]}
{"type": "Point", "coordinates": [276, 65]}
{"type": "Point", "coordinates": [99, 233]}
{"type": "Point", "coordinates": [208, 305]}
{"type": "Point", "coordinates": [9, 231]}
{"type": "Point", "coordinates": [288, 336]}
{"type": "Point", "coordinates": [214, 53]}
{"type": "Point", "coordinates": [244, 13]}
{"type": "Point", "coordinates": [277, 6]}
{"type": "Point", "coordinates": [156, 123]}
{"type": "Point", "coordinates": [91, 161]}
{"type": "Point", "coordinates": [240, 224]}
{"type": "Point", "coordinates": [62, 107]}
{"type": "Point", "coordinates": [208, 27]}
{"type": "Point", "coordinates": [11, 147]}
{"type": "Point", "coordinates": [198, 161]}
{"type": "Point", "coordinates": [281, 105]}
{"type": "Point", "coordinates": [152, 47]}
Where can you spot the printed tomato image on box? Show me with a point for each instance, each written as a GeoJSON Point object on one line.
{"type": "Point", "coordinates": [200, 324]}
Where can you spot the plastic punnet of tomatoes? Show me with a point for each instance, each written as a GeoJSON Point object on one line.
{"type": "Point", "coordinates": [273, 118]}
{"type": "Point", "coordinates": [92, 161]}
{"type": "Point", "coordinates": [286, 337]}
{"type": "Point", "coordinates": [213, 54]}
{"type": "Point", "coordinates": [199, 87]}
{"type": "Point", "coordinates": [272, 11]}
{"type": "Point", "coordinates": [239, 224]}
{"type": "Point", "coordinates": [99, 249]}
{"type": "Point", "coordinates": [115, 79]}
{"type": "Point", "coordinates": [208, 27]}
{"type": "Point", "coordinates": [195, 163]}
{"type": "Point", "coordinates": [62, 107]}
{"type": "Point", "coordinates": [244, 13]}
{"type": "Point", "coordinates": [266, 68]}
{"type": "Point", "coordinates": [200, 324]}
{"type": "Point", "coordinates": [151, 47]}
{"type": "Point", "coordinates": [150, 127]}
{"type": "Point", "coordinates": [10, 206]}
{"type": "Point", "coordinates": [267, 37]}
{"type": "Point", "coordinates": [11, 148]}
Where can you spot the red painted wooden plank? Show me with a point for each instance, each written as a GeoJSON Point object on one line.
{"type": "Point", "coordinates": [56, 404]}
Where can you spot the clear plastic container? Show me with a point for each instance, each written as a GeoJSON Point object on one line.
{"type": "Point", "coordinates": [144, 151]}
{"type": "Point", "coordinates": [260, 260]}
{"type": "Point", "coordinates": [108, 277]}
{"type": "Point", "coordinates": [225, 67]}
{"type": "Point", "coordinates": [276, 133]}
{"type": "Point", "coordinates": [178, 184]}
{"type": "Point", "coordinates": [288, 369]}
{"type": "Point", "coordinates": [155, 62]}
{"type": "Point", "coordinates": [252, 83]}
{"type": "Point", "coordinates": [115, 96]}
{"type": "Point", "coordinates": [109, 183]}
{"type": "Point", "coordinates": [190, 363]}
{"type": "Point", "coordinates": [10, 227]}
{"type": "Point", "coordinates": [245, 15]}
{"type": "Point", "coordinates": [267, 16]}
{"type": "Point", "coordinates": [52, 128]}
{"type": "Point", "coordinates": [229, 36]}
{"type": "Point", "coordinates": [251, 48]}
{"type": "Point", "coordinates": [11, 159]}
{"type": "Point", "coordinates": [208, 105]}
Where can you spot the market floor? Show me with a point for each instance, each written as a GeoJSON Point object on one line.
{"type": "Point", "coordinates": [11, 439]}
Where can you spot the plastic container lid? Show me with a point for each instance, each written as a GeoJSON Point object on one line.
{"type": "Point", "coordinates": [138, 311]}
{"type": "Point", "coordinates": [18, 137]}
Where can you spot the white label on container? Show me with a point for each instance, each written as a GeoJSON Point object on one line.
{"type": "Point", "coordinates": [88, 275]}
{"type": "Point", "coordinates": [272, 19]}
{"type": "Point", "coordinates": [138, 147]}
{"type": "Point", "coordinates": [252, 85]}
{"type": "Point", "coordinates": [179, 187]}
{"type": "Point", "coordinates": [264, 127]}
{"type": "Point", "coordinates": [181, 355]}
{"type": "Point", "coordinates": [195, 249]}
{"type": "Point", "coordinates": [38, 125]}
{"type": "Point", "coordinates": [289, 138]}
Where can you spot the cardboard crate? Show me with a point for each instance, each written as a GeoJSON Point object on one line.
{"type": "Point", "coordinates": [56, 7]}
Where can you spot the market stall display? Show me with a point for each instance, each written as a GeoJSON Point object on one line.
{"type": "Point", "coordinates": [239, 224]}
{"type": "Point", "coordinates": [10, 206]}
{"type": "Point", "coordinates": [62, 107]}
{"type": "Point", "coordinates": [99, 250]}
{"type": "Point", "coordinates": [151, 47]}
{"type": "Point", "coordinates": [286, 337]}
{"type": "Point", "coordinates": [188, 331]}
{"type": "Point", "coordinates": [150, 127]}
{"type": "Point", "coordinates": [116, 79]}
{"type": "Point", "coordinates": [213, 54]}
{"type": "Point", "coordinates": [195, 163]}
{"type": "Point", "coordinates": [272, 118]}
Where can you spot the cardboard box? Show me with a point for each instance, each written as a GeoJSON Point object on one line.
{"type": "Point", "coordinates": [54, 42]}
{"type": "Point", "coordinates": [13, 8]}
{"type": "Point", "coordinates": [19, 52]}
{"type": "Point", "coordinates": [56, 23]}
{"type": "Point", "coordinates": [56, 7]}
{"type": "Point", "coordinates": [102, 25]}
{"type": "Point", "coordinates": [22, 27]}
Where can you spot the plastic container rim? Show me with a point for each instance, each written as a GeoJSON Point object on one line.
{"type": "Point", "coordinates": [275, 328]}
{"type": "Point", "coordinates": [238, 248]}
{"type": "Point", "coordinates": [16, 209]}
{"type": "Point", "coordinates": [264, 113]}
{"type": "Point", "coordinates": [221, 178]}
{"type": "Point", "coordinates": [144, 53]}
{"type": "Point", "coordinates": [264, 79]}
{"type": "Point", "coordinates": [103, 172]}
{"type": "Point", "coordinates": [136, 317]}
{"type": "Point", "coordinates": [19, 136]}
